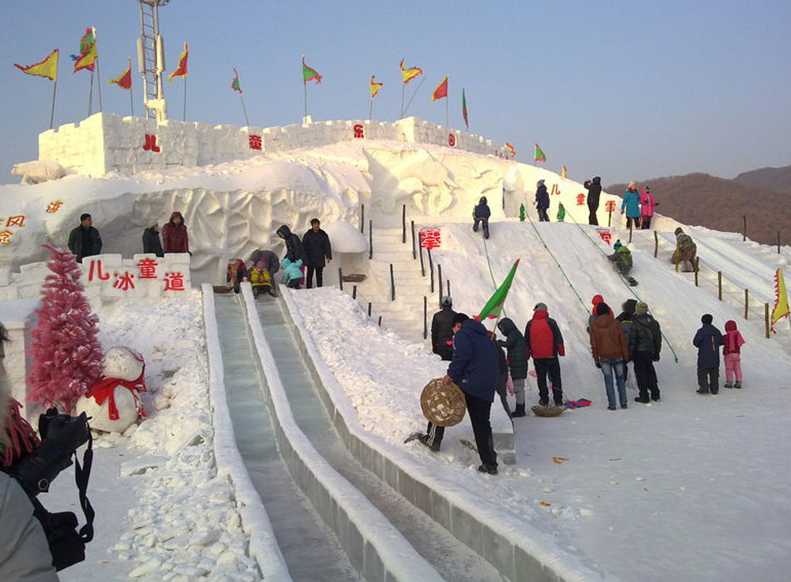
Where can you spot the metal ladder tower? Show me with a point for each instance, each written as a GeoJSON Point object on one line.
{"type": "Point", "coordinates": [151, 59]}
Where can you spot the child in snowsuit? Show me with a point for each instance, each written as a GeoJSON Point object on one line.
{"type": "Point", "coordinates": [542, 201]}
{"type": "Point", "coordinates": [708, 341]}
{"type": "Point", "coordinates": [482, 214]}
{"type": "Point", "coordinates": [732, 342]}
{"type": "Point", "coordinates": [261, 279]}
{"type": "Point", "coordinates": [517, 360]}
{"type": "Point", "coordinates": [292, 274]}
{"type": "Point", "coordinates": [686, 251]}
{"type": "Point", "coordinates": [647, 204]}
{"type": "Point", "coordinates": [545, 343]}
{"type": "Point", "coordinates": [237, 271]}
{"type": "Point", "coordinates": [631, 205]}
{"type": "Point", "coordinates": [621, 258]}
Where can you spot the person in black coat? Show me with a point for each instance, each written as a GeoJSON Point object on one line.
{"type": "Point", "coordinates": [316, 246]}
{"type": "Point", "coordinates": [482, 214]}
{"type": "Point", "coordinates": [594, 192]}
{"type": "Point", "coordinates": [442, 330]}
{"type": "Point", "coordinates": [645, 344]}
{"type": "Point", "coordinates": [708, 340]}
{"type": "Point", "coordinates": [151, 243]}
{"type": "Point", "coordinates": [294, 251]}
{"type": "Point", "coordinates": [85, 240]}
{"type": "Point", "coordinates": [542, 201]}
{"type": "Point", "coordinates": [517, 360]}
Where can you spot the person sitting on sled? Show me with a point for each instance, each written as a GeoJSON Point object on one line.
{"type": "Point", "coordinates": [261, 279]}
{"type": "Point", "coordinates": [621, 258]}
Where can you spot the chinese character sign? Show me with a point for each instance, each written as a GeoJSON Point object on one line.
{"type": "Point", "coordinates": [555, 189]}
{"type": "Point", "coordinates": [610, 206]}
{"type": "Point", "coordinates": [255, 142]}
{"type": "Point", "coordinates": [430, 238]}
{"type": "Point", "coordinates": [53, 207]}
{"type": "Point", "coordinates": [605, 234]}
{"type": "Point", "coordinates": [580, 199]}
{"type": "Point", "coordinates": [144, 277]}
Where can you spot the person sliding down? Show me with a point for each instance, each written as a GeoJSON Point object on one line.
{"type": "Point", "coordinates": [622, 261]}
{"type": "Point", "coordinates": [482, 214]}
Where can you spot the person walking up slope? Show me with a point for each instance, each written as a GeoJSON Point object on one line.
{"type": "Point", "coordinates": [481, 213]}
{"type": "Point", "coordinates": [517, 360]}
{"type": "Point", "coordinates": [647, 204]}
{"type": "Point", "coordinates": [545, 343]}
{"type": "Point", "coordinates": [609, 353]}
{"type": "Point", "coordinates": [542, 201]}
{"type": "Point", "coordinates": [708, 340]}
{"type": "Point", "coordinates": [732, 343]}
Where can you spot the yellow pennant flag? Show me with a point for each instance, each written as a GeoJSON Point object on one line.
{"type": "Point", "coordinates": [781, 300]}
{"type": "Point", "coordinates": [47, 68]}
{"type": "Point", "coordinates": [87, 58]}
{"type": "Point", "coordinates": [563, 172]}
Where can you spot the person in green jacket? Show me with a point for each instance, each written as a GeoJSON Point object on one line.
{"type": "Point", "coordinates": [622, 257]}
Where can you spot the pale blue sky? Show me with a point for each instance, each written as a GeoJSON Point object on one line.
{"type": "Point", "coordinates": [623, 89]}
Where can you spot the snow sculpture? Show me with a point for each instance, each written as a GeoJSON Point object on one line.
{"type": "Point", "coordinates": [345, 238]}
{"type": "Point", "coordinates": [39, 171]}
{"type": "Point", "coordinates": [113, 402]}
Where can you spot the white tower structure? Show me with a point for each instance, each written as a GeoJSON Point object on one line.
{"type": "Point", "coordinates": [151, 59]}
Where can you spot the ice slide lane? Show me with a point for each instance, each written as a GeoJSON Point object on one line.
{"type": "Point", "coordinates": [451, 558]}
{"type": "Point", "coordinates": [310, 549]}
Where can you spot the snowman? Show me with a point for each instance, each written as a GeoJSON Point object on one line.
{"type": "Point", "coordinates": [113, 403]}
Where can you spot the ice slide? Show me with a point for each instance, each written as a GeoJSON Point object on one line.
{"type": "Point", "coordinates": [393, 537]}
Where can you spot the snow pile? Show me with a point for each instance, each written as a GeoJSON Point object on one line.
{"type": "Point", "coordinates": [182, 522]}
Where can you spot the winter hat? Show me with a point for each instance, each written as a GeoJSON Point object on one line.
{"type": "Point", "coordinates": [641, 307]}
{"type": "Point", "coordinates": [629, 305]}
{"type": "Point", "coordinates": [152, 223]}
{"type": "Point", "coordinates": [447, 301]}
{"type": "Point", "coordinates": [648, 188]}
{"type": "Point", "coordinates": [707, 319]}
{"type": "Point", "coordinates": [617, 245]}
{"type": "Point", "coordinates": [678, 231]}
{"type": "Point", "coordinates": [632, 185]}
{"type": "Point", "coordinates": [540, 307]}
{"type": "Point", "coordinates": [602, 308]}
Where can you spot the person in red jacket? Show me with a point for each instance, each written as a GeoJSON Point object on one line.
{"type": "Point", "coordinates": [174, 235]}
{"type": "Point", "coordinates": [545, 344]}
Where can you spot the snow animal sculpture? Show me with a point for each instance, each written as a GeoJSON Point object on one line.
{"type": "Point", "coordinates": [113, 402]}
{"type": "Point", "coordinates": [38, 171]}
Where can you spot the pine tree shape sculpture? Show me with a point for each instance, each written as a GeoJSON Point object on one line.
{"type": "Point", "coordinates": [67, 355]}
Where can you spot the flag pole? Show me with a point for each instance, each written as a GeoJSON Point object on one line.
{"type": "Point", "coordinates": [54, 89]}
{"type": "Point", "coordinates": [246, 120]}
{"type": "Point", "coordinates": [90, 97]}
{"type": "Point", "coordinates": [371, 110]}
{"type": "Point", "coordinates": [131, 100]}
{"type": "Point", "coordinates": [184, 114]}
{"type": "Point", "coordinates": [413, 96]}
{"type": "Point", "coordinates": [447, 118]}
{"type": "Point", "coordinates": [99, 83]}
{"type": "Point", "coordinates": [403, 86]}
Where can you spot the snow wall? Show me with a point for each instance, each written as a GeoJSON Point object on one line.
{"type": "Point", "coordinates": [105, 142]}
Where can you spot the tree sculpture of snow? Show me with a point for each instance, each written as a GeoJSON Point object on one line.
{"type": "Point", "coordinates": [66, 351]}
{"type": "Point", "coordinates": [113, 403]}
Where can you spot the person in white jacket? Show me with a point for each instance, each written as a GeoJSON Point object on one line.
{"type": "Point", "coordinates": [24, 551]}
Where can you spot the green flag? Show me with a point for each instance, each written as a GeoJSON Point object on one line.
{"type": "Point", "coordinates": [494, 306]}
{"type": "Point", "coordinates": [309, 74]}
{"type": "Point", "coordinates": [539, 155]}
{"type": "Point", "coordinates": [464, 108]}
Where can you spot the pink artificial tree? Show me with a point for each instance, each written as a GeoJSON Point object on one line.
{"type": "Point", "coordinates": [66, 352]}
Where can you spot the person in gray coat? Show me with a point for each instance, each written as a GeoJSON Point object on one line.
{"type": "Point", "coordinates": [85, 240]}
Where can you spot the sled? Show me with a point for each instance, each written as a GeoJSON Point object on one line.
{"type": "Point", "coordinates": [548, 411]}
{"type": "Point", "coordinates": [630, 280]}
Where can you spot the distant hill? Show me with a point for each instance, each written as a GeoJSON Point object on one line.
{"type": "Point", "coordinates": [704, 200]}
{"type": "Point", "coordinates": [777, 179]}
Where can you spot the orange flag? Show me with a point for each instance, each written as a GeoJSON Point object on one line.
{"type": "Point", "coordinates": [441, 91]}
{"type": "Point", "coordinates": [181, 70]}
{"type": "Point", "coordinates": [375, 86]}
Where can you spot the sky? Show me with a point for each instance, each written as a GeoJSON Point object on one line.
{"type": "Point", "coordinates": [622, 89]}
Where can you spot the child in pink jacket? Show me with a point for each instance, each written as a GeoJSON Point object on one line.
{"type": "Point", "coordinates": [647, 204]}
{"type": "Point", "coordinates": [733, 341]}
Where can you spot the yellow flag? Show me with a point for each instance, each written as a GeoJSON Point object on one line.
{"type": "Point", "coordinates": [781, 299]}
{"type": "Point", "coordinates": [563, 172]}
{"type": "Point", "coordinates": [47, 68]}
{"type": "Point", "coordinates": [87, 59]}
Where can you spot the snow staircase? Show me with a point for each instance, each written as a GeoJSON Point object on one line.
{"type": "Point", "coordinates": [404, 315]}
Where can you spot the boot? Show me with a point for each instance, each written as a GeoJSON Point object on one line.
{"type": "Point", "coordinates": [737, 385]}
{"type": "Point", "coordinates": [728, 384]}
{"type": "Point", "coordinates": [519, 412]}
{"type": "Point", "coordinates": [643, 399]}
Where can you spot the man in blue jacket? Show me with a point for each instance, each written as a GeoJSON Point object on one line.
{"type": "Point", "coordinates": [708, 341]}
{"type": "Point", "coordinates": [474, 368]}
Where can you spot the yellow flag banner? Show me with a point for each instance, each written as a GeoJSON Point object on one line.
{"type": "Point", "coordinates": [47, 68]}
{"type": "Point", "coordinates": [781, 299]}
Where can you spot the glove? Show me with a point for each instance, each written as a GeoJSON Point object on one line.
{"type": "Point", "coordinates": [656, 357]}
{"type": "Point", "coordinates": [598, 365]}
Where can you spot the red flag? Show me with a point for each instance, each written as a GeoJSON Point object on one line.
{"type": "Point", "coordinates": [124, 80]}
{"type": "Point", "coordinates": [441, 91]}
{"type": "Point", "coordinates": [181, 69]}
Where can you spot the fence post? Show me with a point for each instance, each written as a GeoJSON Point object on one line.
{"type": "Point", "coordinates": [425, 317]}
{"type": "Point", "coordinates": [744, 234]}
{"type": "Point", "coordinates": [414, 248]}
{"type": "Point", "coordinates": [380, 321]}
{"type": "Point", "coordinates": [631, 228]}
{"type": "Point", "coordinates": [719, 285]}
{"type": "Point", "coordinates": [340, 277]}
{"type": "Point", "coordinates": [766, 319]}
{"type": "Point", "coordinates": [370, 239]}
{"type": "Point", "coordinates": [403, 223]}
{"type": "Point", "coordinates": [392, 283]}
{"type": "Point", "coordinates": [422, 266]}
{"type": "Point", "coordinates": [431, 268]}
{"type": "Point", "coordinates": [449, 295]}
{"type": "Point", "coordinates": [746, 302]}
{"type": "Point", "coordinates": [439, 279]}
{"type": "Point", "coordinates": [609, 218]}
{"type": "Point", "coordinates": [697, 270]}
{"type": "Point", "coordinates": [656, 244]}
{"type": "Point", "coordinates": [354, 292]}
{"type": "Point", "coordinates": [369, 309]}
{"type": "Point", "coordinates": [362, 218]}
{"type": "Point", "coordinates": [778, 242]}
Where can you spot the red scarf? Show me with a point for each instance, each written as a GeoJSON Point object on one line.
{"type": "Point", "coordinates": [105, 389]}
{"type": "Point", "coordinates": [21, 436]}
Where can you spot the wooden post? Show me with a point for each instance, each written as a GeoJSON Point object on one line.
{"type": "Point", "coordinates": [746, 302]}
{"type": "Point", "coordinates": [414, 246]}
{"type": "Point", "coordinates": [403, 223]}
{"type": "Point", "coordinates": [744, 234]}
{"type": "Point", "coordinates": [380, 321]}
{"type": "Point", "coordinates": [766, 319]}
{"type": "Point", "coordinates": [422, 266]}
{"type": "Point", "coordinates": [431, 268]}
{"type": "Point", "coordinates": [369, 309]}
{"type": "Point", "coordinates": [439, 278]}
{"type": "Point", "coordinates": [697, 270]}
{"type": "Point", "coordinates": [354, 292]}
{"type": "Point", "coordinates": [449, 295]}
{"type": "Point", "coordinates": [362, 218]}
{"type": "Point", "coordinates": [370, 239]}
{"type": "Point", "coordinates": [340, 278]}
{"type": "Point", "coordinates": [425, 318]}
{"type": "Point", "coordinates": [609, 218]}
{"type": "Point", "coordinates": [631, 228]}
{"type": "Point", "coordinates": [656, 244]}
{"type": "Point", "coordinates": [677, 264]}
{"type": "Point", "coordinates": [392, 283]}
{"type": "Point", "coordinates": [778, 242]}
{"type": "Point", "coordinates": [719, 285]}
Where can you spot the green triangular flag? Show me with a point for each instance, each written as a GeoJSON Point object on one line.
{"type": "Point", "coordinates": [539, 155]}
{"type": "Point", "coordinates": [494, 306]}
